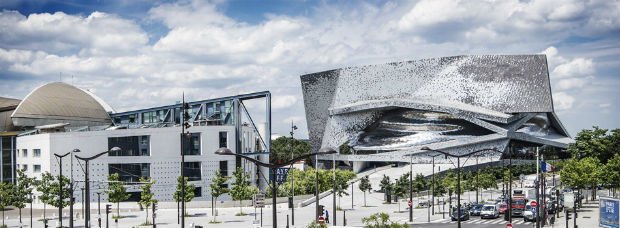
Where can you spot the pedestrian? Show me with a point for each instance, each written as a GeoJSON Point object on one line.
{"type": "Point", "coordinates": [327, 216]}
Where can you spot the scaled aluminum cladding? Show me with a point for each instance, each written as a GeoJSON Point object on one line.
{"type": "Point", "coordinates": [341, 103]}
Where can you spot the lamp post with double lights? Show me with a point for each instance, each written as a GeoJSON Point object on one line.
{"type": "Point", "coordinates": [458, 168]}
{"type": "Point", "coordinates": [272, 167]}
{"type": "Point", "coordinates": [60, 186]}
{"type": "Point", "coordinates": [71, 200]}
{"type": "Point", "coordinates": [293, 128]}
{"type": "Point", "coordinates": [87, 184]}
{"type": "Point", "coordinates": [433, 185]}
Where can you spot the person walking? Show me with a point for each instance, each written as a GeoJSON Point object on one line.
{"type": "Point", "coordinates": [327, 216]}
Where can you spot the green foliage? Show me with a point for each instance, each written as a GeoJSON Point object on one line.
{"type": "Point", "coordinates": [313, 224]}
{"type": "Point", "coordinates": [305, 181]}
{"type": "Point", "coordinates": [281, 149]}
{"type": "Point", "coordinates": [116, 191]}
{"type": "Point", "coordinates": [420, 183]}
{"type": "Point", "coordinates": [345, 148]}
{"type": "Point", "coordinates": [612, 172]}
{"type": "Point", "coordinates": [241, 189]}
{"type": "Point", "coordinates": [582, 173]}
{"type": "Point", "coordinates": [386, 184]}
{"type": "Point", "coordinates": [6, 196]}
{"type": "Point", "coordinates": [381, 220]}
{"type": "Point", "coordinates": [23, 189]}
{"type": "Point", "coordinates": [596, 142]}
{"type": "Point", "coordinates": [55, 200]}
{"type": "Point", "coordinates": [218, 188]}
{"type": "Point", "coordinates": [146, 196]}
{"type": "Point", "coordinates": [365, 186]}
{"type": "Point", "coordinates": [189, 190]}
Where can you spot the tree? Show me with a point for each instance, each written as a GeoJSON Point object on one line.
{"type": "Point", "coordinates": [55, 199]}
{"type": "Point", "coordinates": [365, 186]}
{"type": "Point", "coordinates": [420, 183]}
{"type": "Point", "coordinates": [44, 186]}
{"type": "Point", "coordinates": [612, 173]}
{"type": "Point", "coordinates": [592, 143]}
{"type": "Point", "coordinates": [281, 149]}
{"type": "Point", "coordinates": [342, 182]}
{"type": "Point", "coordinates": [116, 192]}
{"type": "Point", "coordinates": [241, 188]}
{"type": "Point", "coordinates": [146, 196]}
{"type": "Point", "coordinates": [401, 187]}
{"type": "Point", "coordinates": [22, 192]}
{"type": "Point", "coordinates": [189, 191]}
{"type": "Point", "coordinates": [582, 173]}
{"type": "Point", "coordinates": [386, 185]}
{"type": "Point", "coordinates": [381, 220]}
{"type": "Point", "coordinates": [6, 197]}
{"type": "Point", "coordinates": [218, 188]}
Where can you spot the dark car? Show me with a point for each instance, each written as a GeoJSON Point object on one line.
{"type": "Point", "coordinates": [475, 209]}
{"type": "Point", "coordinates": [462, 213]}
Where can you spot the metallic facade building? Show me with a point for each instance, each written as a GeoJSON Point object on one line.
{"type": "Point", "coordinates": [457, 104]}
{"type": "Point", "coordinates": [8, 133]}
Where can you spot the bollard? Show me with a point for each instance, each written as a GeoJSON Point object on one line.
{"type": "Point", "coordinates": [287, 221]}
{"type": "Point", "coordinates": [344, 218]}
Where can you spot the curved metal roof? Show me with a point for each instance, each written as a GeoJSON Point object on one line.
{"type": "Point", "coordinates": [59, 102]}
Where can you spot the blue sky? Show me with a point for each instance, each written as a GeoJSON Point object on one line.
{"type": "Point", "coordinates": [137, 54]}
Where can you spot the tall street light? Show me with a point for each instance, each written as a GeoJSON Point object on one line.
{"type": "Point", "coordinates": [87, 184]}
{"type": "Point", "coordinates": [272, 167]}
{"type": "Point", "coordinates": [184, 126]}
{"type": "Point", "coordinates": [293, 128]}
{"type": "Point", "coordinates": [458, 169]}
{"type": "Point", "coordinates": [72, 198]}
{"type": "Point", "coordinates": [60, 186]}
{"type": "Point", "coordinates": [433, 185]}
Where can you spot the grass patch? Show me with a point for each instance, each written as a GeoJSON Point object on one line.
{"type": "Point", "coordinates": [241, 214]}
{"type": "Point", "coordinates": [214, 222]}
{"type": "Point", "coordinates": [146, 224]}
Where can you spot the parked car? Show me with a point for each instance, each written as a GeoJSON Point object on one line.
{"type": "Point", "coordinates": [503, 207]}
{"type": "Point", "coordinates": [475, 209]}
{"type": "Point", "coordinates": [424, 204]}
{"type": "Point", "coordinates": [529, 214]}
{"type": "Point", "coordinates": [489, 211]}
{"type": "Point", "coordinates": [461, 213]}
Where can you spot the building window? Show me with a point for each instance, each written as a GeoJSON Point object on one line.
{"type": "Point", "coordinates": [198, 192]}
{"type": "Point", "coordinates": [24, 153]}
{"type": "Point", "coordinates": [223, 139]}
{"type": "Point", "coordinates": [192, 171]}
{"type": "Point", "coordinates": [191, 144]}
{"type": "Point", "coordinates": [224, 168]}
{"type": "Point", "coordinates": [130, 145]}
{"type": "Point", "coordinates": [37, 168]}
{"type": "Point", "coordinates": [130, 172]}
{"type": "Point", "coordinates": [36, 153]}
{"type": "Point", "coordinates": [25, 167]}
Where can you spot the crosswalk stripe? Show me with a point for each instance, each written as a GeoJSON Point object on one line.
{"type": "Point", "coordinates": [487, 222]}
{"type": "Point", "coordinates": [518, 222]}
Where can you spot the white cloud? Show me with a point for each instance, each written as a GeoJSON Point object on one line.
{"type": "Point", "coordinates": [570, 83]}
{"type": "Point", "coordinates": [562, 101]}
{"type": "Point", "coordinates": [284, 101]}
{"type": "Point", "coordinates": [578, 67]}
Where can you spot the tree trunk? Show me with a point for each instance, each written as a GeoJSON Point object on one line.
{"type": "Point", "coordinates": [215, 211]}
{"type": "Point", "coordinates": [240, 208]}
{"type": "Point", "coordinates": [3, 216]}
{"type": "Point", "coordinates": [44, 214]}
{"type": "Point", "coordinates": [20, 215]}
{"type": "Point", "coordinates": [118, 210]}
{"type": "Point", "coordinates": [364, 198]}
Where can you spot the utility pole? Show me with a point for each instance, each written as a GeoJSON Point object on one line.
{"type": "Point", "coordinates": [293, 128]}
{"type": "Point", "coordinates": [184, 125]}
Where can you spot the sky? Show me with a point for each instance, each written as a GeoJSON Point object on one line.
{"type": "Point", "coordinates": [138, 53]}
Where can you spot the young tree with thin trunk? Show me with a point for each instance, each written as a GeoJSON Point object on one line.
{"type": "Point", "coordinates": [189, 191]}
{"type": "Point", "coordinates": [365, 186]}
{"type": "Point", "coordinates": [386, 185]}
{"type": "Point", "coordinates": [116, 192]}
{"type": "Point", "coordinates": [44, 186]}
{"type": "Point", "coordinates": [218, 188]}
{"type": "Point", "coordinates": [6, 197]}
{"type": "Point", "coordinates": [146, 196]}
{"type": "Point", "coordinates": [241, 188]}
{"type": "Point", "coordinates": [22, 192]}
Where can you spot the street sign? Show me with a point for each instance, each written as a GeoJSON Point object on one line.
{"type": "Point", "coordinates": [522, 177]}
{"type": "Point", "coordinates": [509, 225]}
{"type": "Point", "coordinates": [281, 174]}
{"type": "Point", "coordinates": [321, 220]}
{"type": "Point", "coordinates": [259, 200]}
{"type": "Point", "coordinates": [609, 216]}
{"type": "Point", "coordinates": [533, 203]}
{"type": "Point", "coordinates": [410, 203]}
{"type": "Point", "coordinates": [569, 199]}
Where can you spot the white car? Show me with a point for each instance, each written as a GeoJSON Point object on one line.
{"type": "Point", "coordinates": [489, 211]}
{"type": "Point", "coordinates": [528, 214]}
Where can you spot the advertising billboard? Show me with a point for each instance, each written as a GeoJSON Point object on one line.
{"type": "Point", "coordinates": [608, 213]}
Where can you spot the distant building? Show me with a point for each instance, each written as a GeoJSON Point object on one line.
{"type": "Point", "coordinates": [58, 118]}
{"type": "Point", "coordinates": [455, 104]}
{"type": "Point", "coordinates": [8, 134]}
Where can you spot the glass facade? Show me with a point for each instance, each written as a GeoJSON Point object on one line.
{"type": "Point", "coordinates": [36, 153]}
{"type": "Point", "coordinates": [192, 171]}
{"type": "Point", "coordinates": [198, 192]}
{"type": "Point", "coordinates": [130, 145]}
{"type": "Point", "coordinates": [130, 172]}
{"type": "Point", "coordinates": [8, 154]}
{"type": "Point", "coordinates": [191, 144]}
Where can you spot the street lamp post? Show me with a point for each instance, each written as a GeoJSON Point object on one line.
{"type": "Point", "coordinates": [60, 186]}
{"type": "Point", "coordinates": [433, 186]}
{"type": "Point", "coordinates": [71, 186]}
{"type": "Point", "coordinates": [458, 167]}
{"type": "Point", "coordinates": [293, 128]}
{"type": "Point", "coordinates": [87, 184]}
{"type": "Point", "coordinates": [272, 167]}
{"type": "Point", "coordinates": [334, 189]}
{"type": "Point", "coordinates": [411, 189]}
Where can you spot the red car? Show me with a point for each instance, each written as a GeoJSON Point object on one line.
{"type": "Point", "coordinates": [503, 208]}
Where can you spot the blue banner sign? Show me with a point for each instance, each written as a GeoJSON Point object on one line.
{"type": "Point", "coordinates": [608, 213]}
{"type": "Point", "coordinates": [281, 174]}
